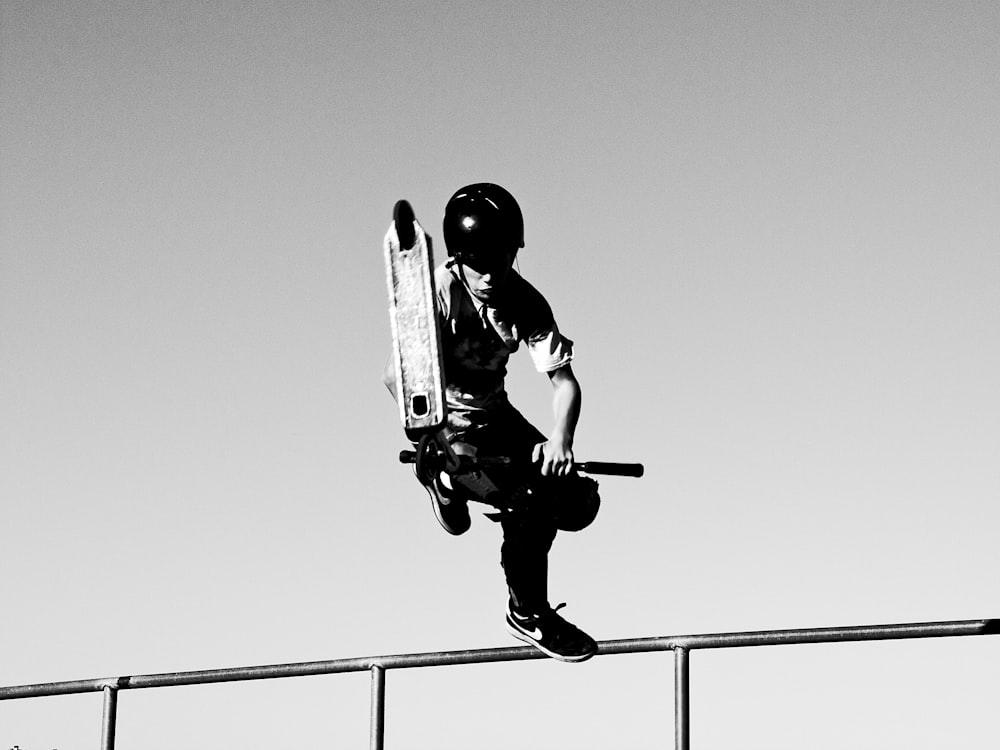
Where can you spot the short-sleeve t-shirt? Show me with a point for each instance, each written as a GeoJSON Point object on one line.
{"type": "Point", "coordinates": [478, 339]}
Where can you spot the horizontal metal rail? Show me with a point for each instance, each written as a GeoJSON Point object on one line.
{"type": "Point", "coordinates": [681, 645]}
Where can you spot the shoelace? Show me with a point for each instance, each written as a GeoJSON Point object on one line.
{"type": "Point", "coordinates": [551, 612]}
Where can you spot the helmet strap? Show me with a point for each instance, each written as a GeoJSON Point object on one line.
{"type": "Point", "coordinates": [456, 260]}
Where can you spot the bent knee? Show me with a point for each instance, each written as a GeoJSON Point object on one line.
{"type": "Point", "coordinates": [575, 502]}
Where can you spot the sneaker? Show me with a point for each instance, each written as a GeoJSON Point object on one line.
{"type": "Point", "coordinates": [451, 510]}
{"type": "Point", "coordinates": [551, 634]}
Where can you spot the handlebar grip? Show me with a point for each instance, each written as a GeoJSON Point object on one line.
{"type": "Point", "coordinates": [603, 467]}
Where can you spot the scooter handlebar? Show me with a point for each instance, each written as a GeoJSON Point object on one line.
{"type": "Point", "coordinates": [587, 467]}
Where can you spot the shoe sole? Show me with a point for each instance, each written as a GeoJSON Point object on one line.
{"type": "Point", "coordinates": [521, 636]}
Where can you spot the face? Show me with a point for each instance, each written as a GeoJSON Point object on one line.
{"type": "Point", "coordinates": [487, 277]}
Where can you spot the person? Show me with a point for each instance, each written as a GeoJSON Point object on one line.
{"type": "Point", "coordinates": [486, 310]}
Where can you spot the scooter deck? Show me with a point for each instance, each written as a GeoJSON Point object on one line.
{"type": "Point", "coordinates": [416, 340]}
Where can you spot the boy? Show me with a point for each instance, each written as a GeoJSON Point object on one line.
{"type": "Point", "coordinates": [486, 310]}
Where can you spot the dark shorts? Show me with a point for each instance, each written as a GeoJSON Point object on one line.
{"type": "Point", "coordinates": [510, 435]}
{"type": "Point", "coordinates": [532, 507]}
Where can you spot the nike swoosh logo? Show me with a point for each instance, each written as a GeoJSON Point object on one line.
{"type": "Point", "coordinates": [533, 632]}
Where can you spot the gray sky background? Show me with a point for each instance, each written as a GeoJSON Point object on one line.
{"type": "Point", "coordinates": [771, 228]}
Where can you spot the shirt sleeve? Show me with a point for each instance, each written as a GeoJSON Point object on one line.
{"type": "Point", "coordinates": [549, 349]}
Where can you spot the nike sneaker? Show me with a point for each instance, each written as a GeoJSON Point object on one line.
{"type": "Point", "coordinates": [551, 634]}
{"type": "Point", "coordinates": [450, 509]}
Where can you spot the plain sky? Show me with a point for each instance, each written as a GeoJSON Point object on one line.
{"type": "Point", "coordinates": [772, 229]}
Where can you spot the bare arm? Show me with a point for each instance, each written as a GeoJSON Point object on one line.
{"type": "Point", "coordinates": [556, 454]}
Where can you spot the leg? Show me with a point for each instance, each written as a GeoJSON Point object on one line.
{"type": "Point", "coordinates": [524, 555]}
{"type": "Point", "coordinates": [529, 531]}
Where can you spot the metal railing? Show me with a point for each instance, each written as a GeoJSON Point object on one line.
{"type": "Point", "coordinates": [378, 666]}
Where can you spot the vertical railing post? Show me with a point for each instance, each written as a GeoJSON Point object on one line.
{"type": "Point", "coordinates": [682, 705]}
{"type": "Point", "coordinates": [110, 717]}
{"type": "Point", "coordinates": [378, 708]}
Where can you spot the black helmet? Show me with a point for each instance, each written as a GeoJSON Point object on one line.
{"type": "Point", "coordinates": [482, 218]}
